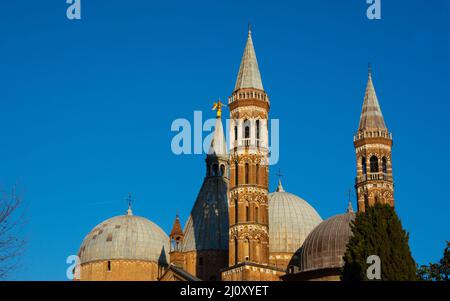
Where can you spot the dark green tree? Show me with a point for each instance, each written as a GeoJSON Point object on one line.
{"type": "Point", "coordinates": [378, 231]}
{"type": "Point", "coordinates": [436, 271]}
{"type": "Point", "coordinates": [445, 263]}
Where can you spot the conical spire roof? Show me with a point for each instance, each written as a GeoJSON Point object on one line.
{"type": "Point", "coordinates": [371, 116]}
{"type": "Point", "coordinates": [176, 229]}
{"type": "Point", "coordinates": [280, 187]}
{"type": "Point", "coordinates": [349, 207]}
{"type": "Point", "coordinates": [218, 143]}
{"type": "Point", "coordinates": [249, 76]}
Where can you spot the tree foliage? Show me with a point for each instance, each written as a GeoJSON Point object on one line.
{"type": "Point", "coordinates": [378, 231]}
{"type": "Point", "coordinates": [436, 271]}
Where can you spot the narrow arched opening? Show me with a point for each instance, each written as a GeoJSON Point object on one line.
{"type": "Point", "coordinates": [246, 249]}
{"type": "Point", "coordinates": [374, 164]}
{"type": "Point", "coordinates": [364, 165]}
{"type": "Point", "coordinates": [384, 165]}
{"type": "Point", "coordinates": [215, 170]}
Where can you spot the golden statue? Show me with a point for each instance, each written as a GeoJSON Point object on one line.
{"type": "Point", "coordinates": [218, 106]}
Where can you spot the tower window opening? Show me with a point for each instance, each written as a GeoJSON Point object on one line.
{"type": "Point", "coordinates": [256, 215]}
{"type": "Point", "coordinates": [215, 170]}
{"type": "Point", "coordinates": [222, 170]}
{"type": "Point", "coordinates": [258, 250]}
{"type": "Point", "coordinates": [384, 165]}
{"type": "Point", "coordinates": [246, 249]}
{"type": "Point", "coordinates": [235, 132]}
{"type": "Point", "coordinates": [374, 164]}
{"type": "Point", "coordinates": [246, 129]}
{"type": "Point", "coordinates": [257, 129]}
{"type": "Point", "coordinates": [247, 213]}
{"type": "Point", "coordinates": [364, 165]}
{"type": "Point", "coordinates": [109, 266]}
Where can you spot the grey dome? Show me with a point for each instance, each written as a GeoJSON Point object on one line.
{"type": "Point", "coordinates": [126, 237]}
{"type": "Point", "coordinates": [326, 244]}
{"type": "Point", "coordinates": [291, 219]}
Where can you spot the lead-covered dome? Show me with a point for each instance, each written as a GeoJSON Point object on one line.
{"type": "Point", "coordinates": [291, 219]}
{"type": "Point", "coordinates": [126, 237]}
{"type": "Point", "coordinates": [325, 246]}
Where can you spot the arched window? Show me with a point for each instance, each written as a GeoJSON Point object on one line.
{"type": "Point", "coordinates": [258, 250]}
{"type": "Point", "coordinates": [235, 132]}
{"type": "Point", "coordinates": [364, 165]}
{"type": "Point", "coordinates": [256, 215]}
{"type": "Point", "coordinates": [246, 249]}
{"type": "Point", "coordinates": [215, 170]}
{"type": "Point", "coordinates": [246, 129]}
{"type": "Point", "coordinates": [222, 170]}
{"type": "Point", "coordinates": [257, 174]}
{"type": "Point", "coordinates": [373, 164]}
{"type": "Point", "coordinates": [109, 266]}
{"type": "Point", "coordinates": [384, 165]}
{"type": "Point", "coordinates": [208, 170]}
{"type": "Point", "coordinates": [247, 172]}
{"type": "Point", "coordinates": [247, 213]}
{"type": "Point", "coordinates": [257, 129]}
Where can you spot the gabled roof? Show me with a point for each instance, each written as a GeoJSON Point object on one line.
{"type": "Point", "coordinates": [177, 274]}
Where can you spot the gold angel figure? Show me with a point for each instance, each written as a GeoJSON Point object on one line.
{"type": "Point", "coordinates": [218, 106]}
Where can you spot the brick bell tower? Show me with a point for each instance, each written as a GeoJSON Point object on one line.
{"type": "Point", "coordinates": [373, 145]}
{"type": "Point", "coordinates": [249, 173]}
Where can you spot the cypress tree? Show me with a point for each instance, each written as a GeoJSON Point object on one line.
{"type": "Point", "coordinates": [378, 231]}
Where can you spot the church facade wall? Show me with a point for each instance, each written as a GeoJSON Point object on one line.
{"type": "Point", "coordinates": [120, 270]}
{"type": "Point", "coordinates": [280, 260]}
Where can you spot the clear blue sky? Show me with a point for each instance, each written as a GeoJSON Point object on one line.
{"type": "Point", "coordinates": [86, 107]}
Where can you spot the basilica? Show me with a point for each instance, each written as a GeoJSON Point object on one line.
{"type": "Point", "coordinates": [237, 229]}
